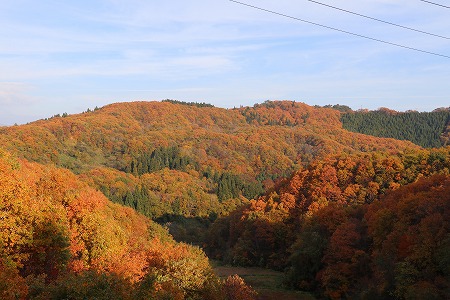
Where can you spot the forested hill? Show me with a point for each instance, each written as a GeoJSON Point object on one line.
{"type": "Point", "coordinates": [185, 159]}
{"type": "Point", "coordinates": [61, 239]}
{"type": "Point", "coordinates": [268, 139]}
{"type": "Point", "coordinates": [370, 226]}
{"type": "Point", "coordinates": [427, 129]}
{"type": "Point", "coordinates": [280, 184]}
{"type": "Point", "coordinates": [271, 137]}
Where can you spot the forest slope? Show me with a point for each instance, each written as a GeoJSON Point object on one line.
{"type": "Point", "coordinates": [427, 129]}
{"type": "Point", "coordinates": [350, 226]}
{"type": "Point", "coordinates": [224, 153]}
{"type": "Point", "coordinates": [270, 137]}
{"type": "Point", "coordinates": [325, 222]}
{"type": "Point", "coordinates": [60, 239]}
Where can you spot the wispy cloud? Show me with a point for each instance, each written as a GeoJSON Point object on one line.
{"type": "Point", "coordinates": [13, 93]}
{"type": "Point", "coordinates": [219, 51]}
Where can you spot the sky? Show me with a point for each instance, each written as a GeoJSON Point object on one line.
{"type": "Point", "coordinates": [68, 56]}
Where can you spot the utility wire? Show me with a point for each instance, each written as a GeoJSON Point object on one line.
{"type": "Point", "coordinates": [437, 4]}
{"type": "Point", "coordinates": [340, 30]}
{"type": "Point", "coordinates": [375, 19]}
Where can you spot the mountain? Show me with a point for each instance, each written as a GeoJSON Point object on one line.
{"type": "Point", "coordinates": [281, 185]}
{"type": "Point", "coordinates": [277, 135]}
{"type": "Point", "coordinates": [218, 153]}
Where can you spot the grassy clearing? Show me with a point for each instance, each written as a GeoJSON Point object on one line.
{"type": "Point", "coordinates": [267, 283]}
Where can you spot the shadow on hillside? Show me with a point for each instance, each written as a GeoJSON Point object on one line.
{"type": "Point", "coordinates": [191, 230]}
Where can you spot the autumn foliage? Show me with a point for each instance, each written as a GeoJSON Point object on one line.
{"type": "Point", "coordinates": [387, 237]}
{"type": "Point", "coordinates": [345, 215]}
{"type": "Point", "coordinates": [60, 238]}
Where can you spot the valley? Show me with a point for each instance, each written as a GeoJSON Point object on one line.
{"type": "Point", "coordinates": [142, 196]}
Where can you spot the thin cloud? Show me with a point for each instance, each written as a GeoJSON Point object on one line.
{"type": "Point", "coordinates": [15, 93]}
{"type": "Point", "coordinates": [155, 50]}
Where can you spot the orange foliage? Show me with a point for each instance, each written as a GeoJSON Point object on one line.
{"type": "Point", "coordinates": [12, 285]}
{"type": "Point", "coordinates": [284, 135]}
{"type": "Point", "coordinates": [261, 232]}
{"type": "Point", "coordinates": [236, 289]}
{"type": "Point", "coordinates": [52, 225]}
{"type": "Point", "coordinates": [47, 211]}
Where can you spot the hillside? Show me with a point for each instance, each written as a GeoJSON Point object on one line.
{"type": "Point", "coordinates": [279, 185]}
{"type": "Point", "coordinates": [217, 153]}
{"type": "Point", "coordinates": [331, 223]}
{"type": "Point", "coordinates": [427, 129]}
{"type": "Point", "coordinates": [60, 239]}
{"type": "Point", "coordinates": [277, 135]}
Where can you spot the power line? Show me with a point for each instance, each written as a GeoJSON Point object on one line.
{"type": "Point", "coordinates": [437, 4]}
{"type": "Point", "coordinates": [340, 30]}
{"type": "Point", "coordinates": [378, 20]}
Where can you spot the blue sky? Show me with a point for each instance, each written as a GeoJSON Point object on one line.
{"type": "Point", "coordinates": [67, 56]}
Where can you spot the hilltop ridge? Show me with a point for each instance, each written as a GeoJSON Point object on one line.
{"type": "Point", "coordinates": [121, 130]}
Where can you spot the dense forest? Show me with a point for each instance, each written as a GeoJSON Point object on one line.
{"type": "Point", "coordinates": [61, 239]}
{"type": "Point", "coordinates": [427, 129]}
{"type": "Point", "coordinates": [105, 199]}
{"type": "Point", "coordinates": [293, 226]}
